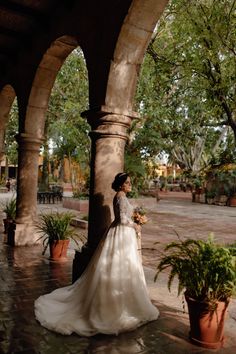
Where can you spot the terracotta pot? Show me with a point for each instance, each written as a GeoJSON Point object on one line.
{"type": "Point", "coordinates": [232, 201]}
{"type": "Point", "coordinates": [11, 233]}
{"type": "Point", "coordinates": [206, 326]}
{"type": "Point", "coordinates": [58, 250]}
{"type": "Point", "coordinates": [6, 223]}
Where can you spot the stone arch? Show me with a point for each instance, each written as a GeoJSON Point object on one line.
{"type": "Point", "coordinates": [7, 96]}
{"type": "Point", "coordinates": [43, 82]}
{"type": "Point", "coordinates": [112, 84]}
{"type": "Point", "coordinates": [111, 121]}
{"type": "Point", "coordinates": [30, 138]}
{"type": "Point", "coordinates": [132, 43]}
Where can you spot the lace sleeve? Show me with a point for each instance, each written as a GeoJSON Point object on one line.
{"type": "Point", "coordinates": [125, 212]}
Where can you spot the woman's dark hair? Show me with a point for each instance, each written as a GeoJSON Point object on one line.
{"type": "Point", "coordinates": [119, 180]}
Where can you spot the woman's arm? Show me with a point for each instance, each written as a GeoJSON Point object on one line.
{"type": "Point", "coordinates": [125, 213]}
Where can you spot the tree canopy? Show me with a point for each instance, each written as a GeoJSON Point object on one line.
{"type": "Point", "coordinates": [186, 91]}
{"type": "Point", "coordinates": [186, 94]}
{"type": "Point", "coordinates": [67, 130]}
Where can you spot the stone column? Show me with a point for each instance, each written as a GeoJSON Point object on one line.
{"type": "Point", "coordinates": [2, 143]}
{"type": "Point", "coordinates": [108, 139]}
{"type": "Point", "coordinates": [27, 184]}
{"type": "Point", "coordinates": [2, 147]}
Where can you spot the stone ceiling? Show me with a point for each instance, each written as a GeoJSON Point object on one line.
{"type": "Point", "coordinates": [24, 22]}
{"type": "Point", "coordinates": [20, 20]}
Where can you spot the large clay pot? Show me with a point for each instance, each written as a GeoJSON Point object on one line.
{"type": "Point", "coordinates": [206, 325]}
{"type": "Point", "coordinates": [232, 201]}
{"type": "Point", "coordinates": [58, 250]}
{"type": "Point", "coordinates": [11, 233]}
{"type": "Point", "coordinates": [6, 223]}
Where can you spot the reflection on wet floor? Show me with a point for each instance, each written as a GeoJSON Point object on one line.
{"type": "Point", "coordinates": [25, 274]}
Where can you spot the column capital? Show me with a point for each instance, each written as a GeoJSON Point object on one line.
{"type": "Point", "coordinates": [109, 114]}
{"type": "Point", "coordinates": [109, 121]}
{"type": "Point", "coordinates": [28, 141]}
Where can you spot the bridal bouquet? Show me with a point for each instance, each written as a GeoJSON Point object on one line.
{"type": "Point", "coordinates": [139, 216]}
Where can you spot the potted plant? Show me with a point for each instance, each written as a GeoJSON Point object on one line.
{"type": "Point", "coordinates": [206, 273]}
{"type": "Point", "coordinates": [9, 208]}
{"type": "Point", "coordinates": [56, 233]}
{"type": "Point", "coordinates": [210, 195]}
{"type": "Point", "coordinates": [197, 190]}
{"type": "Point", "coordinates": [231, 188]}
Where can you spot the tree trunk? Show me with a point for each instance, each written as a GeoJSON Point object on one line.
{"type": "Point", "coordinates": [44, 185]}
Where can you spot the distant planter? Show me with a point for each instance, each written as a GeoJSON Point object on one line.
{"type": "Point", "coordinates": [77, 222]}
{"type": "Point", "coordinates": [202, 198]}
{"type": "Point", "coordinates": [210, 200]}
{"type": "Point", "coordinates": [210, 196]}
{"type": "Point", "coordinates": [232, 201]}
{"type": "Point", "coordinates": [9, 208]}
{"type": "Point", "coordinates": [198, 195]}
{"type": "Point", "coordinates": [221, 200]}
{"type": "Point", "coordinates": [76, 204]}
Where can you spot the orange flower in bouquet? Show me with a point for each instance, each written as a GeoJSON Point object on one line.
{"type": "Point", "coordinates": [139, 216]}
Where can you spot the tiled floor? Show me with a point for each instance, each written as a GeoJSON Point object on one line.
{"type": "Point", "coordinates": [25, 274]}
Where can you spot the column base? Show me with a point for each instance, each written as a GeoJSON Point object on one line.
{"type": "Point", "coordinates": [80, 261]}
{"type": "Point", "coordinates": [22, 235]}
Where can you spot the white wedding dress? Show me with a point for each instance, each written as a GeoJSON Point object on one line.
{"type": "Point", "coordinates": [111, 295]}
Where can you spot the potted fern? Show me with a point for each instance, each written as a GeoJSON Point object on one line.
{"type": "Point", "coordinates": [206, 274]}
{"type": "Point", "coordinates": [56, 233]}
{"type": "Point", "coordinates": [9, 208]}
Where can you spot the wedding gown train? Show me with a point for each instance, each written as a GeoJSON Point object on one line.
{"type": "Point", "coordinates": [111, 295]}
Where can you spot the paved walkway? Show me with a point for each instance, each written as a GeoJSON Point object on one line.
{"type": "Point", "coordinates": [25, 274]}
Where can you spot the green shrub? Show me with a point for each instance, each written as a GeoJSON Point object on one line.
{"type": "Point", "coordinates": [205, 270]}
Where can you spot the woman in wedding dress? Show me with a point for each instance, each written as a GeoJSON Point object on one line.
{"type": "Point", "coordinates": [111, 295]}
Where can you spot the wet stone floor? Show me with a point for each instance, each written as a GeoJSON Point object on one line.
{"type": "Point", "coordinates": [25, 274]}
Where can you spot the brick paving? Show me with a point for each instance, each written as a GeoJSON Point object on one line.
{"type": "Point", "coordinates": [25, 274]}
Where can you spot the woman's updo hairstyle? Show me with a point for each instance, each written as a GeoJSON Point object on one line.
{"type": "Point", "coordinates": [119, 180]}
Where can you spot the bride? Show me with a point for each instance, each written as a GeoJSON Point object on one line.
{"type": "Point", "coordinates": [111, 295]}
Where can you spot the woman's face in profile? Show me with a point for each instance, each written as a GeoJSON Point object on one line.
{"type": "Point", "coordinates": [126, 186]}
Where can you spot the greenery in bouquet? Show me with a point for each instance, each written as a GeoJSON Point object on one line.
{"type": "Point", "coordinates": [139, 216]}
